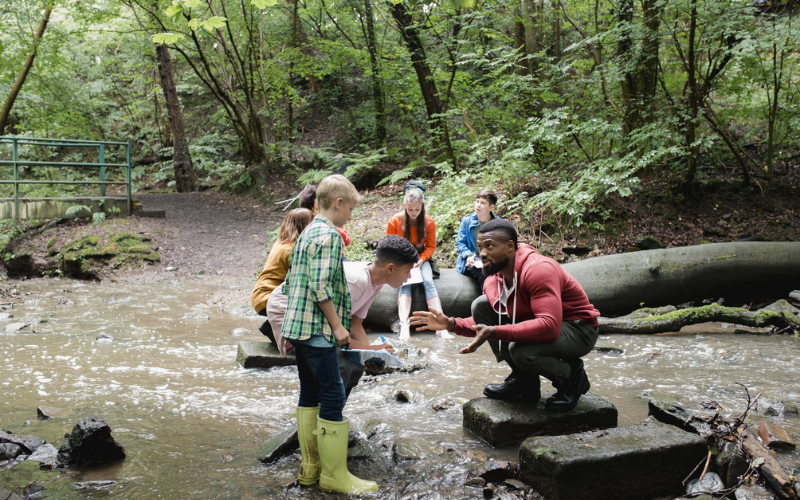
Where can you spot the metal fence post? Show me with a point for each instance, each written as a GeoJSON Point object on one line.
{"type": "Point", "coordinates": [102, 169]}
{"type": "Point", "coordinates": [15, 158]}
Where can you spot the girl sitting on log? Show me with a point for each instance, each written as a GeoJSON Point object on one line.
{"type": "Point", "coordinates": [413, 225]}
{"type": "Point", "coordinates": [277, 265]}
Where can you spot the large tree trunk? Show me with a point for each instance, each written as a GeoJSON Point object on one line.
{"type": "Point", "coordinates": [433, 105]}
{"type": "Point", "coordinates": [377, 91]}
{"type": "Point", "coordinates": [181, 158]}
{"type": "Point", "coordinates": [693, 90]}
{"type": "Point", "coordinates": [619, 284]}
{"type": "Point", "coordinates": [630, 61]}
{"type": "Point", "coordinates": [23, 75]}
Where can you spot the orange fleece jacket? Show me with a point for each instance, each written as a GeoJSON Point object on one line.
{"type": "Point", "coordinates": [396, 227]}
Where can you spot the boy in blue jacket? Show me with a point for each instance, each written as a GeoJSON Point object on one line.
{"type": "Point", "coordinates": [468, 264]}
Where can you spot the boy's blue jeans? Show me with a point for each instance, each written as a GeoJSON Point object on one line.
{"type": "Point", "coordinates": [427, 282]}
{"type": "Point", "coordinates": [320, 381]}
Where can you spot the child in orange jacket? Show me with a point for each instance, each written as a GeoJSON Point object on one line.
{"type": "Point", "coordinates": [413, 225]}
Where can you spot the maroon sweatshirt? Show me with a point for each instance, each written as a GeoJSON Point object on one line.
{"type": "Point", "coordinates": [545, 296]}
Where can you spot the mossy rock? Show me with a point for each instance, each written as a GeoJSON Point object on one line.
{"type": "Point", "coordinates": [123, 237]}
{"type": "Point", "coordinates": [153, 257]}
{"type": "Point", "coordinates": [51, 247]}
{"type": "Point", "coordinates": [139, 249]}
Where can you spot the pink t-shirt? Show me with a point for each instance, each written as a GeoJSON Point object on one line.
{"type": "Point", "coordinates": [362, 293]}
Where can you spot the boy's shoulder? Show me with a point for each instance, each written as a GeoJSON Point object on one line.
{"type": "Point", "coordinates": [318, 232]}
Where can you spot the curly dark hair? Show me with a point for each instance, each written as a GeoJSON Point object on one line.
{"type": "Point", "coordinates": [308, 197]}
{"type": "Point", "coordinates": [501, 226]}
{"type": "Point", "coordinates": [397, 250]}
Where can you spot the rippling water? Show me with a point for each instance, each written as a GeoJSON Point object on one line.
{"type": "Point", "coordinates": [191, 419]}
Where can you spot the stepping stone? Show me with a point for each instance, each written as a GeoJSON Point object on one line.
{"type": "Point", "coordinates": [502, 423]}
{"type": "Point", "coordinates": [262, 355]}
{"type": "Point", "coordinates": [278, 446]}
{"type": "Point", "coordinates": [638, 461]}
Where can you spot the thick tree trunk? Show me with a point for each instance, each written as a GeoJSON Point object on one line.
{"type": "Point", "coordinates": [693, 90]}
{"type": "Point", "coordinates": [630, 61]}
{"type": "Point", "coordinates": [433, 105]}
{"type": "Point", "coordinates": [648, 73]}
{"type": "Point", "coordinates": [185, 177]}
{"type": "Point", "coordinates": [23, 75]}
{"type": "Point", "coordinates": [619, 284]}
{"type": "Point", "coordinates": [377, 90]}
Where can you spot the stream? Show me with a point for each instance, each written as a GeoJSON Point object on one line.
{"type": "Point", "coordinates": [191, 419]}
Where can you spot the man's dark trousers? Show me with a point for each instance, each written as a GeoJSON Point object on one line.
{"type": "Point", "coordinates": [547, 359]}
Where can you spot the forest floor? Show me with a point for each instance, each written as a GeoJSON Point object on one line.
{"type": "Point", "coordinates": [223, 240]}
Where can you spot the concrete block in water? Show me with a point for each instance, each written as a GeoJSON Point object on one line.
{"type": "Point", "coordinates": [638, 461]}
{"type": "Point", "coordinates": [262, 355]}
{"type": "Point", "coordinates": [278, 446]}
{"type": "Point", "coordinates": [509, 422]}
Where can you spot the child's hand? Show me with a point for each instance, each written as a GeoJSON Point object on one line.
{"type": "Point", "coordinates": [470, 260]}
{"type": "Point", "coordinates": [419, 263]}
{"type": "Point", "coordinates": [342, 336]}
{"type": "Point", "coordinates": [389, 348]}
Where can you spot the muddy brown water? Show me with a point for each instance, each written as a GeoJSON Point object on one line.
{"type": "Point", "coordinates": [191, 419]}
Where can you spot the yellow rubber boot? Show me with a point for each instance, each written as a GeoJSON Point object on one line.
{"type": "Point", "coordinates": [332, 442]}
{"type": "Point", "coordinates": [306, 425]}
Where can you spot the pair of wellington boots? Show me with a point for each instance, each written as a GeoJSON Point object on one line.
{"type": "Point", "coordinates": [323, 445]}
{"type": "Point", "coordinates": [404, 311]}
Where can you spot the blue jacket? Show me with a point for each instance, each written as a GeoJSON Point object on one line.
{"type": "Point", "coordinates": [465, 241]}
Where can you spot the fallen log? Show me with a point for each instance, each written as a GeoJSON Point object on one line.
{"type": "Point", "coordinates": [770, 468]}
{"type": "Point", "coordinates": [780, 314]}
{"type": "Point", "coordinates": [619, 284]}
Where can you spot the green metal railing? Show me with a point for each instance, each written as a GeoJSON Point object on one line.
{"type": "Point", "coordinates": [16, 142]}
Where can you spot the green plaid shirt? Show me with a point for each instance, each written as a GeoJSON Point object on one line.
{"type": "Point", "coordinates": [315, 275]}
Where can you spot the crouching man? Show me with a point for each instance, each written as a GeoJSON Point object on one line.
{"type": "Point", "coordinates": [534, 315]}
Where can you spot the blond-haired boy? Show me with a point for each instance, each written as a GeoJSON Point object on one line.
{"type": "Point", "coordinates": [317, 321]}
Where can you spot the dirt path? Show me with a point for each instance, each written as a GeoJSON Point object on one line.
{"type": "Point", "coordinates": [210, 237]}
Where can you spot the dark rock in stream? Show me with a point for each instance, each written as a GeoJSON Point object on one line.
{"type": "Point", "coordinates": [501, 423]}
{"type": "Point", "coordinates": [731, 463]}
{"type": "Point", "coordinates": [9, 451]}
{"type": "Point", "coordinates": [672, 414]}
{"type": "Point", "coordinates": [794, 297]}
{"type": "Point", "coordinates": [33, 490]}
{"type": "Point", "coordinates": [278, 446]}
{"type": "Point", "coordinates": [626, 463]}
{"type": "Point", "coordinates": [29, 444]}
{"type": "Point", "coordinates": [90, 443]}
{"type": "Point", "coordinates": [409, 449]}
{"type": "Point", "coordinates": [262, 355]}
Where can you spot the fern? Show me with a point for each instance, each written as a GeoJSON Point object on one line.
{"type": "Point", "coordinates": [77, 209]}
{"type": "Point", "coordinates": [398, 175]}
{"type": "Point", "coordinates": [98, 217]}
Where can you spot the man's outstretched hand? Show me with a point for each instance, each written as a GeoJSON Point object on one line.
{"type": "Point", "coordinates": [482, 334]}
{"type": "Point", "coordinates": [430, 320]}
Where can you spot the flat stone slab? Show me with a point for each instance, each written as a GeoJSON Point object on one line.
{"type": "Point", "coordinates": [262, 355]}
{"type": "Point", "coordinates": [638, 461]}
{"type": "Point", "coordinates": [502, 423]}
{"type": "Point", "coordinates": [278, 446]}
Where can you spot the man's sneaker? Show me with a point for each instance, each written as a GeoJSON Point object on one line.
{"type": "Point", "coordinates": [569, 391]}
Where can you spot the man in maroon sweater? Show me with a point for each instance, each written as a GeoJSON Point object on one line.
{"type": "Point", "coordinates": [536, 317]}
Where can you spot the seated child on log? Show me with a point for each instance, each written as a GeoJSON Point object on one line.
{"type": "Point", "coordinates": [277, 265]}
{"type": "Point", "coordinates": [467, 240]}
{"type": "Point", "coordinates": [413, 225]}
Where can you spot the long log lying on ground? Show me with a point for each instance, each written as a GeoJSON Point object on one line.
{"type": "Point", "coordinates": [780, 314]}
{"type": "Point", "coordinates": [619, 284]}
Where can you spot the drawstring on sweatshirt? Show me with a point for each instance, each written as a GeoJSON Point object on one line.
{"type": "Point", "coordinates": [500, 313]}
